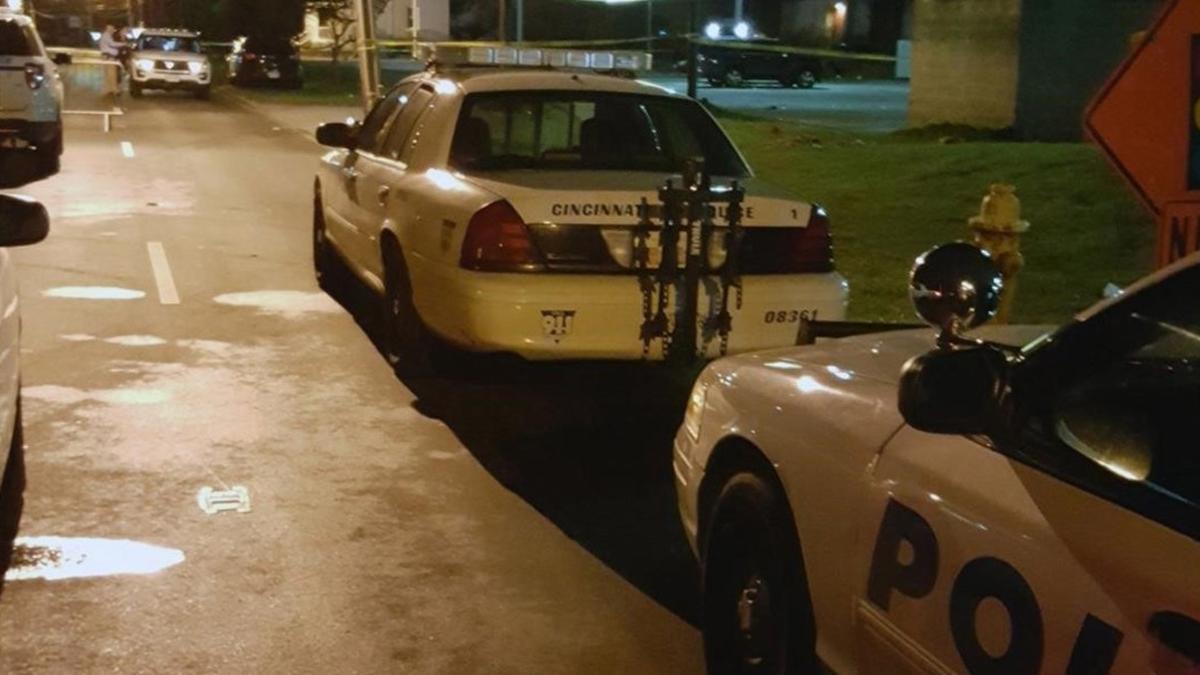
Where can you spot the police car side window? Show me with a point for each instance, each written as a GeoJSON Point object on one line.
{"type": "Point", "coordinates": [370, 136]}
{"type": "Point", "coordinates": [401, 130]}
{"type": "Point", "coordinates": [1129, 411]}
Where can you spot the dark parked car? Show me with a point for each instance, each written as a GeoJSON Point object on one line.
{"type": "Point", "coordinates": [735, 66]}
{"type": "Point", "coordinates": [256, 60]}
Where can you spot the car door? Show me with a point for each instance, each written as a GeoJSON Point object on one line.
{"type": "Point", "coordinates": [349, 219]}
{"type": "Point", "coordinates": [1071, 545]}
{"type": "Point", "coordinates": [384, 172]}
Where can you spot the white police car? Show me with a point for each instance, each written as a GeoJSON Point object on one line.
{"type": "Point", "coordinates": [495, 208]}
{"type": "Point", "coordinates": [31, 94]}
{"type": "Point", "coordinates": [169, 58]}
{"type": "Point", "coordinates": [22, 221]}
{"type": "Point", "coordinates": [1012, 510]}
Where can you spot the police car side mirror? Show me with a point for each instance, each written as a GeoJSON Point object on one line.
{"type": "Point", "coordinates": [954, 288]}
{"type": "Point", "coordinates": [337, 135]}
{"type": "Point", "coordinates": [62, 58]}
{"type": "Point", "coordinates": [22, 221]}
{"type": "Point", "coordinates": [955, 391]}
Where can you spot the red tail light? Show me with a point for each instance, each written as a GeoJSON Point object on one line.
{"type": "Point", "coordinates": [35, 75]}
{"type": "Point", "coordinates": [249, 56]}
{"type": "Point", "coordinates": [497, 240]}
{"type": "Point", "coordinates": [811, 247]}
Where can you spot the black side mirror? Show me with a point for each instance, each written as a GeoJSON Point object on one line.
{"type": "Point", "coordinates": [337, 134]}
{"type": "Point", "coordinates": [62, 58]}
{"type": "Point", "coordinates": [23, 221]}
{"type": "Point", "coordinates": [954, 288]}
{"type": "Point", "coordinates": [955, 391]}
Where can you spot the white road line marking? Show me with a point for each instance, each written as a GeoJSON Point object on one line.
{"type": "Point", "coordinates": [127, 149]}
{"type": "Point", "coordinates": [167, 294]}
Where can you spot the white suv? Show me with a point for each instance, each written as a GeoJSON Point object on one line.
{"type": "Point", "coordinates": [166, 58]}
{"type": "Point", "coordinates": [31, 93]}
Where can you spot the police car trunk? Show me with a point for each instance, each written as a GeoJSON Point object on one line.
{"type": "Point", "coordinates": [570, 170]}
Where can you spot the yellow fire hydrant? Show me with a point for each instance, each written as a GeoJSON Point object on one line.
{"type": "Point", "coordinates": [998, 229]}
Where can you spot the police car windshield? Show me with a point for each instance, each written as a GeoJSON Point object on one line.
{"type": "Point", "coordinates": [168, 43]}
{"type": "Point", "coordinates": [555, 130]}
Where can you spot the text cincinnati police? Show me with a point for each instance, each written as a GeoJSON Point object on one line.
{"type": "Point", "coordinates": [631, 210]}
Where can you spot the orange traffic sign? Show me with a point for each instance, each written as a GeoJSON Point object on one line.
{"type": "Point", "coordinates": [1147, 120]}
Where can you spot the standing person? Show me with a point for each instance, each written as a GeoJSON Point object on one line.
{"type": "Point", "coordinates": [110, 43]}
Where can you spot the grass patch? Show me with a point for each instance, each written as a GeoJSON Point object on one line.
{"type": "Point", "coordinates": [892, 197]}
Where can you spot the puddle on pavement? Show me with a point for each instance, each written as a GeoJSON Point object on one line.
{"type": "Point", "coordinates": [55, 558]}
{"type": "Point", "coordinates": [136, 340]}
{"type": "Point", "coordinates": [94, 293]}
{"type": "Point", "coordinates": [290, 304]}
{"type": "Point", "coordinates": [52, 393]}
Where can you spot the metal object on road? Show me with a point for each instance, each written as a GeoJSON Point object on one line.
{"type": "Point", "coordinates": [998, 229]}
{"type": "Point", "coordinates": [670, 295]}
{"type": "Point", "coordinates": [212, 501]}
{"type": "Point", "coordinates": [92, 86]}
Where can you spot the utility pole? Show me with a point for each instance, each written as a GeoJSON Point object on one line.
{"type": "Point", "coordinates": [368, 58]}
{"type": "Point", "coordinates": [691, 57]}
{"type": "Point", "coordinates": [502, 23]}
{"type": "Point", "coordinates": [520, 20]}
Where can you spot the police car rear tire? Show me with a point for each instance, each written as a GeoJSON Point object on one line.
{"type": "Point", "coordinates": [327, 266]}
{"type": "Point", "coordinates": [12, 489]}
{"type": "Point", "coordinates": [757, 615]}
{"type": "Point", "coordinates": [408, 344]}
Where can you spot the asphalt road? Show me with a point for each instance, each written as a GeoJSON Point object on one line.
{"type": "Point", "coordinates": [513, 519]}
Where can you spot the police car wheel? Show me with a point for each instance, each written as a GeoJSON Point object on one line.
{"type": "Point", "coordinates": [49, 160]}
{"type": "Point", "coordinates": [12, 489]}
{"type": "Point", "coordinates": [135, 89]}
{"type": "Point", "coordinates": [757, 618]}
{"type": "Point", "coordinates": [806, 79]}
{"type": "Point", "coordinates": [733, 78]}
{"type": "Point", "coordinates": [326, 264]}
{"type": "Point", "coordinates": [408, 344]}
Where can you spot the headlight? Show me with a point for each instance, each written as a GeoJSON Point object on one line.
{"type": "Point", "coordinates": [695, 410]}
{"type": "Point", "coordinates": [144, 64]}
{"type": "Point", "coordinates": [713, 30]}
{"type": "Point", "coordinates": [197, 67]}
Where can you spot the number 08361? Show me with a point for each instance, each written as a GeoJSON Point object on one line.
{"type": "Point", "coordinates": [789, 315]}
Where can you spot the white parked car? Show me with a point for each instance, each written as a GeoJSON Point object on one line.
{"type": "Point", "coordinates": [495, 209]}
{"type": "Point", "coordinates": [31, 93]}
{"type": "Point", "coordinates": [886, 506]}
{"type": "Point", "coordinates": [166, 58]}
{"type": "Point", "coordinates": [22, 221]}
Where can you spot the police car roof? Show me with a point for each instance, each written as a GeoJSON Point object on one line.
{"type": "Point", "coordinates": [9, 14]}
{"type": "Point", "coordinates": [491, 78]}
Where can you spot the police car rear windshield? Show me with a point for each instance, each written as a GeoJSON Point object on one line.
{"type": "Point", "coordinates": [588, 131]}
{"type": "Point", "coordinates": [16, 40]}
{"type": "Point", "coordinates": [169, 43]}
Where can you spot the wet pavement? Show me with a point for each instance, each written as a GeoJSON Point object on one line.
{"type": "Point", "coordinates": [509, 518]}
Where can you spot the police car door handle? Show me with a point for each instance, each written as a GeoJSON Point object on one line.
{"type": "Point", "coordinates": [383, 193]}
{"type": "Point", "coordinates": [1178, 633]}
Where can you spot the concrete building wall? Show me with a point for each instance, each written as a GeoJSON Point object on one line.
{"type": "Point", "coordinates": [965, 62]}
{"type": "Point", "coordinates": [1068, 49]}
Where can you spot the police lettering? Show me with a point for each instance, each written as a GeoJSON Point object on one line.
{"type": "Point", "coordinates": [915, 574]}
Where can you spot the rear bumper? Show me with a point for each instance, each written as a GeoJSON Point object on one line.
{"type": "Point", "coordinates": [256, 73]}
{"type": "Point", "coordinates": [560, 316]}
{"type": "Point", "coordinates": [33, 133]}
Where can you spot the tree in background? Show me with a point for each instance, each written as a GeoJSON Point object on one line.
{"type": "Point", "coordinates": [339, 16]}
{"type": "Point", "coordinates": [262, 18]}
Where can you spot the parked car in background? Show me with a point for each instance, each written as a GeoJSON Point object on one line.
{"type": "Point", "coordinates": [265, 60]}
{"type": "Point", "coordinates": [167, 58]}
{"type": "Point", "coordinates": [31, 94]}
{"type": "Point", "coordinates": [740, 64]}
